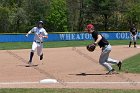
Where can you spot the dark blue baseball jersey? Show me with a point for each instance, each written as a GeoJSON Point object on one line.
{"type": "Point", "coordinates": [133, 30]}
{"type": "Point", "coordinates": [102, 42]}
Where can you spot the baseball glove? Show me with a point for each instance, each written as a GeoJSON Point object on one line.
{"type": "Point", "coordinates": [91, 47]}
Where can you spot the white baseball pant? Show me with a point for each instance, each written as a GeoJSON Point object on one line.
{"type": "Point", "coordinates": [133, 38]}
{"type": "Point", "coordinates": [37, 46]}
{"type": "Point", "coordinates": [104, 58]}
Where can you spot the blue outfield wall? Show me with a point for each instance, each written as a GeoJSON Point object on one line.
{"type": "Point", "coordinates": [64, 37]}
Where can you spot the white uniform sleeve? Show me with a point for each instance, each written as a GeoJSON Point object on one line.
{"type": "Point", "coordinates": [45, 33]}
{"type": "Point", "coordinates": [33, 29]}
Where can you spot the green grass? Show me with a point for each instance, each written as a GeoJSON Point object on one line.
{"type": "Point", "coordinates": [27, 45]}
{"type": "Point", "coordinates": [132, 64]}
{"type": "Point", "coordinates": [67, 91]}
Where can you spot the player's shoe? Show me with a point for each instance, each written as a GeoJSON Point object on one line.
{"type": "Point", "coordinates": [111, 72]}
{"type": "Point", "coordinates": [119, 65]}
{"type": "Point", "coordinates": [29, 64]}
{"type": "Point", "coordinates": [41, 57]}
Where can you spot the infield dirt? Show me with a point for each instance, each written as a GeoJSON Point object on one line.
{"type": "Point", "coordinates": [73, 67]}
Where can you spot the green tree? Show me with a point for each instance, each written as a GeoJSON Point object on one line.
{"type": "Point", "coordinates": [102, 9]}
{"type": "Point", "coordinates": [4, 19]}
{"type": "Point", "coordinates": [36, 10]}
{"type": "Point", "coordinates": [16, 16]}
{"type": "Point", "coordinates": [57, 16]}
{"type": "Point", "coordinates": [74, 10]}
{"type": "Point", "coordinates": [18, 20]}
{"type": "Point", "coordinates": [133, 13]}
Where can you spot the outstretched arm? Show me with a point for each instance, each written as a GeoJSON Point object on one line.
{"type": "Point", "coordinates": [28, 33]}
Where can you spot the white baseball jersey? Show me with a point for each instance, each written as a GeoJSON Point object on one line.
{"type": "Point", "coordinates": [39, 31]}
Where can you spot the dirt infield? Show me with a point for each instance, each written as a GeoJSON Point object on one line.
{"type": "Point", "coordinates": [73, 67]}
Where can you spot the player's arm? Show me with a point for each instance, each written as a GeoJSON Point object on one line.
{"type": "Point", "coordinates": [99, 37]}
{"type": "Point", "coordinates": [32, 30]}
{"type": "Point", "coordinates": [45, 34]}
{"type": "Point", "coordinates": [131, 32]}
{"type": "Point", "coordinates": [28, 33]}
{"type": "Point", "coordinates": [136, 32]}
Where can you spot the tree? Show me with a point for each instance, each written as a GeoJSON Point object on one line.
{"type": "Point", "coordinates": [4, 19]}
{"type": "Point", "coordinates": [18, 20]}
{"type": "Point", "coordinates": [74, 16]}
{"type": "Point", "coordinates": [16, 16]}
{"type": "Point", "coordinates": [36, 10]}
{"type": "Point", "coordinates": [103, 9]}
{"type": "Point", "coordinates": [134, 11]}
{"type": "Point", "coordinates": [57, 16]}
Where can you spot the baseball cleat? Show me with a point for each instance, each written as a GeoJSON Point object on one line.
{"type": "Point", "coordinates": [111, 72]}
{"type": "Point", "coordinates": [29, 62]}
{"type": "Point", "coordinates": [119, 65]}
{"type": "Point", "coordinates": [41, 57]}
{"type": "Point", "coordinates": [135, 46]}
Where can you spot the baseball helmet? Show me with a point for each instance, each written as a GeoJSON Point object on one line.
{"type": "Point", "coordinates": [90, 26]}
{"type": "Point", "coordinates": [40, 22]}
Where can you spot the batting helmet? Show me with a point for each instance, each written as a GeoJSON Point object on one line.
{"type": "Point", "coordinates": [40, 22]}
{"type": "Point", "coordinates": [90, 26]}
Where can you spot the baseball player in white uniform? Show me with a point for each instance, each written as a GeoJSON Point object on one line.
{"type": "Point", "coordinates": [40, 34]}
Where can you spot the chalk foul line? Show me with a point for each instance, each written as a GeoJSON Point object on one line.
{"type": "Point", "coordinates": [21, 83]}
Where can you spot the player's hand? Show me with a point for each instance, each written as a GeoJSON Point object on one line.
{"type": "Point", "coordinates": [40, 36]}
{"type": "Point", "coordinates": [26, 35]}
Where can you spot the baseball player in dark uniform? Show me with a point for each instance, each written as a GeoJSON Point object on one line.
{"type": "Point", "coordinates": [133, 35]}
{"type": "Point", "coordinates": [104, 59]}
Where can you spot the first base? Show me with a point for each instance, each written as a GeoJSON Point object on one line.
{"type": "Point", "coordinates": [48, 81]}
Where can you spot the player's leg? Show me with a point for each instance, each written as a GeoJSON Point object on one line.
{"type": "Point", "coordinates": [113, 61]}
{"type": "Point", "coordinates": [131, 39]}
{"type": "Point", "coordinates": [130, 43]}
{"type": "Point", "coordinates": [103, 58]}
{"type": "Point", "coordinates": [34, 46]}
{"type": "Point", "coordinates": [39, 51]}
{"type": "Point", "coordinates": [135, 39]}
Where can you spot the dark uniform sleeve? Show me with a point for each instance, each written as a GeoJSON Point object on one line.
{"type": "Point", "coordinates": [131, 30]}
{"type": "Point", "coordinates": [95, 35]}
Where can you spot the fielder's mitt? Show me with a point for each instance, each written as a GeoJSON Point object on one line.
{"type": "Point", "coordinates": [91, 47]}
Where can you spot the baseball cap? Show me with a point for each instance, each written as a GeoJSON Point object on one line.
{"type": "Point", "coordinates": [90, 26]}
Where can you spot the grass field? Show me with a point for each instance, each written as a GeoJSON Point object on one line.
{"type": "Point", "coordinates": [66, 91]}
{"type": "Point", "coordinates": [132, 64]}
{"type": "Point", "coordinates": [27, 45]}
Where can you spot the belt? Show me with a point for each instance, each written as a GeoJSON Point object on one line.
{"type": "Point", "coordinates": [38, 41]}
{"type": "Point", "coordinates": [106, 45]}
